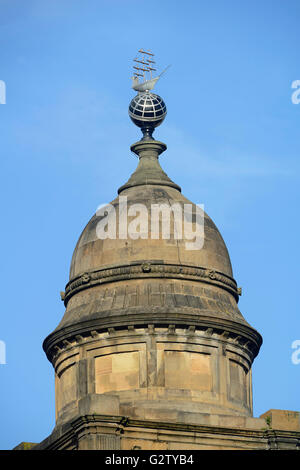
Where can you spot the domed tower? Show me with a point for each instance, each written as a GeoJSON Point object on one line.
{"type": "Point", "coordinates": [152, 342]}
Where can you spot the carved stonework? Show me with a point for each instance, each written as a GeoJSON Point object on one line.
{"type": "Point", "coordinates": [153, 270]}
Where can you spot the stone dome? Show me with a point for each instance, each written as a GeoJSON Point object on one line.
{"type": "Point", "coordinates": [92, 253]}
{"type": "Point", "coordinates": [148, 186]}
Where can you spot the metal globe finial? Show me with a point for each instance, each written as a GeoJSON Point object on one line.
{"type": "Point", "coordinates": [147, 111]}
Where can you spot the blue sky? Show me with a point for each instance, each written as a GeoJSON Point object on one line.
{"type": "Point", "coordinates": [232, 133]}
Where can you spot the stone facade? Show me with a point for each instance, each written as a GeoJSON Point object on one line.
{"type": "Point", "coordinates": [152, 351]}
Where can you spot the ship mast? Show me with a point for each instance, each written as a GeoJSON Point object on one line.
{"type": "Point", "coordinates": [147, 65]}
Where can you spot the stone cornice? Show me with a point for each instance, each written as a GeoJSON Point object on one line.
{"type": "Point", "coordinates": [226, 331]}
{"type": "Point", "coordinates": [69, 435]}
{"type": "Point", "coordinates": [146, 270]}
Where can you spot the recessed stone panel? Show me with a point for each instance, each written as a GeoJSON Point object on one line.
{"type": "Point", "coordinates": [115, 372]}
{"type": "Point", "coordinates": [188, 370]}
{"type": "Point", "coordinates": [66, 387]}
{"type": "Point", "coordinates": [237, 382]}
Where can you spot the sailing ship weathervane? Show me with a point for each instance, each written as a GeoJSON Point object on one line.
{"type": "Point", "coordinates": [146, 110]}
{"type": "Point", "coordinates": [144, 70]}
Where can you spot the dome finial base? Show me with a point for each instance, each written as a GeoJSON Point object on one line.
{"type": "Point", "coordinates": [149, 171]}
{"type": "Point", "coordinates": [147, 131]}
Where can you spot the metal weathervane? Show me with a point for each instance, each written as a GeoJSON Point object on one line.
{"type": "Point", "coordinates": [146, 110]}
{"type": "Point", "coordinates": [143, 68]}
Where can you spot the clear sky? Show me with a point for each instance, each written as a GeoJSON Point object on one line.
{"type": "Point", "coordinates": [232, 133]}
